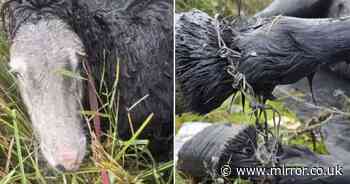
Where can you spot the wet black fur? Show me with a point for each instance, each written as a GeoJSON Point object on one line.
{"type": "Point", "coordinates": [274, 52]}
{"type": "Point", "coordinates": [200, 71]}
{"type": "Point", "coordinates": [137, 35]}
{"type": "Point", "coordinates": [216, 146]}
{"type": "Point", "coordinates": [312, 9]}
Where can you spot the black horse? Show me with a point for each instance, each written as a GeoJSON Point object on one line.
{"type": "Point", "coordinates": [133, 36]}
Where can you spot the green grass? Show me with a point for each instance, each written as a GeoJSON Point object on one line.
{"type": "Point", "coordinates": [127, 162]}
{"type": "Point", "coordinates": [223, 114]}
{"type": "Point", "coordinates": [223, 7]}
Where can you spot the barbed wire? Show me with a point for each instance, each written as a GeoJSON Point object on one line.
{"type": "Point", "coordinates": [266, 151]}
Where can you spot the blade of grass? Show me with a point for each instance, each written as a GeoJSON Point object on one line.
{"type": "Point", "coordinates": [18, 147]}
{"type": "Point", "coordinates": [163, 167]}
{"type": "Point", "coordinates": [38, 174]}
{"type": "Point", "coordinates": [70, 74]}
{"type": "Point", "coordinates": [138, 132]}
{"type": "Point", "coordinates": [8, 177]}
{"type": "Point", "coordinates": [115, 85]}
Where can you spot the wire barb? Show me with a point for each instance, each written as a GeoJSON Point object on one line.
{"type": "Point", "coordinates": [269, 143]}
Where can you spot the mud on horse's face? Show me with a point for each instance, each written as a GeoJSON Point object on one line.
{"type": "Point", "coordinates": [39, 53]}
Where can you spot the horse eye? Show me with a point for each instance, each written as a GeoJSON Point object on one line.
{"type": "Point", "coordinates": [247, 150]}
{"type": "Point", "coordinates": [15, 73]}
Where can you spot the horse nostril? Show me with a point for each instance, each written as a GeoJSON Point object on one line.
{"type": "Point", "coordinates": [68, 158]}
{"type": "Point", "coordinates": [60, 168]}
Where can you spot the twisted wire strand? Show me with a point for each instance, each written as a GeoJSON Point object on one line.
{"type": "Point", "coordinates": [267, 150]}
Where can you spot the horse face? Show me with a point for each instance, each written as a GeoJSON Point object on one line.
{"type": "Point", "coordinates": [41, 55]}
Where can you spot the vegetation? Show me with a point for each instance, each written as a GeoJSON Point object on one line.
{"type": "Point", "coordinates": [127, 162]}
{"type": "Point", "coordinates": [233, 113]}
{"type": "Point", "coordinates": [222, 7]}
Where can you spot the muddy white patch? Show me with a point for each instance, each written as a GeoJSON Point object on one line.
{"type": "Point", "coordinates": [53, 100]}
